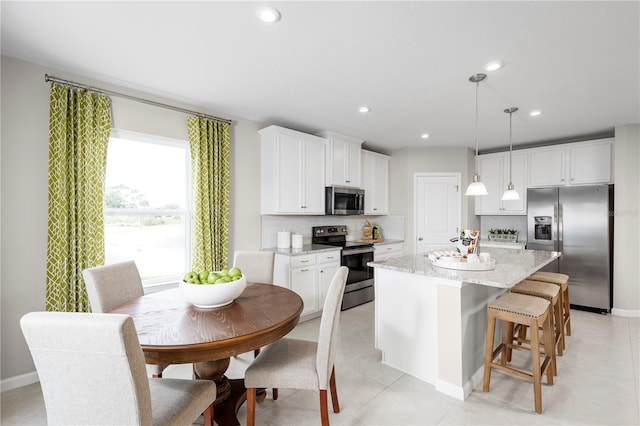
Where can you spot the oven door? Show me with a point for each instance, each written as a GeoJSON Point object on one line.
{"type": "Point", "coordinates": [356, 260]}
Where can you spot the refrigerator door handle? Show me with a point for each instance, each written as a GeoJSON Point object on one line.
{"type": "Point", "coordinates": [560, 230]}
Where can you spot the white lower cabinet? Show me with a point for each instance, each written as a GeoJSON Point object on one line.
{"type": "Point", "coordinates": [387, 251]}
{"type": "Point", "coordinates": [308, 275]}
{"type": "Point", "coordinates": [328, 264]}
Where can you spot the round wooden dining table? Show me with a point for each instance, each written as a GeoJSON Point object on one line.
{"type": "Point", "coordinates": [172, 331]}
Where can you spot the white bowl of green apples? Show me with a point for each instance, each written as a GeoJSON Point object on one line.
{"type": "Point", "coordinates": [212, 289]}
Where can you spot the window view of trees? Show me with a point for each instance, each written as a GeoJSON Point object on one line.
{"type": "Point", "coordinates": [146, 219]}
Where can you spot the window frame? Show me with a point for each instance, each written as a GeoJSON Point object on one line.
{"type": "Point", "coordinates": [157, 284]}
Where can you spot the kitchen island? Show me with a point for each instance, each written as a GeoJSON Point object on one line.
{"type": "Point", "coordinates": [430, 321]}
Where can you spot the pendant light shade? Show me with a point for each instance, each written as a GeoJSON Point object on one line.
{"type": "Point", "coordinates": [476, 187]}
{"type": "Point", "coordinates": [510, 194]}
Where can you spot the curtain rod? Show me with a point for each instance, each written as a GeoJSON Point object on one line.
{"type": "Point", "coordinates": [48, 78]}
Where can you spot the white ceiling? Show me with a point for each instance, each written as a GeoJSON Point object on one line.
{"type": "Point", "coordinates": [579, 62]}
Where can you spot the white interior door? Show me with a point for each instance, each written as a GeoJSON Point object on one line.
{"type": "Point", "coordinates": [437, 216]}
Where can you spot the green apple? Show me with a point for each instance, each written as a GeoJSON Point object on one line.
{"type": "Point", "coordinates": [224, 279]}
{"type": "Point", "coordinates": [224, 272]}
{"type": "Point", "coordinates": [236, 278]}
{"type": "Point", "coordinates": [212, 278]}
{"type": "Point", "coordinates": [193, 281]}
{"type": "Point", "coordinates": [188, 276]}
{"type": "Point", "coordinates": [203, 275]}
{"type": "Point", "coordinates": [235, 272]}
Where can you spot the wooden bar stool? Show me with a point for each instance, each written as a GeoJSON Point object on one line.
{"type": "Point", "coordinates": [563, 281]}
{"type": "Point", "coordinates": [530, 311]}
{"type": "Point", "coordinates": [550, 292]}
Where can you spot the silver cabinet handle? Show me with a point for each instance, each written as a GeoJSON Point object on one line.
{"type": "Point", "coordinates": [420, 238]}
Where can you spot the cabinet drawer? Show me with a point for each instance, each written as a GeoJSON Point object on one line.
{"type": "Point", "coordinates": [302, 261]}
{"type": "Point", "coordinates": [329, 257]}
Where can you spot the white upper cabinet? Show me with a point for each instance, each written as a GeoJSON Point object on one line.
{"type": "Point", "coordinates": [343, 160]}
{"type": "Point", "coordinates": [547, 167]}
{"type": "Point", "coordinates": [590, 163]}
{"type": "Point", "coordinates": [292, 172]}
{"type": "Point", "coordinates": [494, 173]}
{"type": "Point", "coordinates": [375, 182]}
{"type": "Point", "coordinates": [581, 163]}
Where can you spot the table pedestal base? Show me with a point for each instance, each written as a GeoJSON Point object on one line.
{"type": "Point", "coordinates": [230, 393]}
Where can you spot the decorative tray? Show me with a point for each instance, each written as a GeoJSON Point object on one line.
{"type": "Point", "coordinates": [454, 260]}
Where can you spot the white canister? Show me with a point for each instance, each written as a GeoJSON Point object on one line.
{"type": "Point", "coordinates": [296, 241]}
{"type": "Point", "coordinates": [284, 239]}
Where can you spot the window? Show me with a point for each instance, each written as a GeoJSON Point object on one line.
{"type": "Point", "coordinates": [147, 205]}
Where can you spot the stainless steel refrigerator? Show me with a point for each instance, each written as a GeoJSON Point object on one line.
{"type": "Point", "coordinates": [578, 222]}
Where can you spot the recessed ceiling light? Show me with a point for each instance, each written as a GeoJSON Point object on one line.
{"type": "Point", "coordinates": [425, 136]}
{"type": "Point", "coordinates": [535, 113]}
{"type": "Point", "coordinates": [494, 66]}
{"type": "Point", "coordinates": [364, 109]}
{"type": "Point", "coordinates": [268, 14]}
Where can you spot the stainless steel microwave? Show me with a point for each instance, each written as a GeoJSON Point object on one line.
{"type": "Point", "coordinates": [343, 201]}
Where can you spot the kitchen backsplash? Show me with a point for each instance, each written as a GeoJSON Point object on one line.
{"type": "Point", "coordinates": [391, 226]}
{"type": "Point", "coordinates": [519, 223]}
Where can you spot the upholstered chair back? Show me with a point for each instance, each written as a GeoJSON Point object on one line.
{"type": "Point", "coordinates": [110, 286]}
{"type": "Point", "coordinates": [329, 327]}
{"type": "Point", "coordinates": [68, 348]}
{"type": "Point", "coordinates": [257, 266]}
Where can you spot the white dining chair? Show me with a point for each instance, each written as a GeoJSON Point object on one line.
{"type": "Point", "coordinates": [302, 364]}
{"type": "Point", "coordinates": [110, 286]}
{"type": "Point", "coordinates": [68, 347]}
{"type": "Point", "coordinates": [256, 266]}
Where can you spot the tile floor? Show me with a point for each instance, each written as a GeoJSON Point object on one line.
{"type": "Point", "coordinates": [597, 383]}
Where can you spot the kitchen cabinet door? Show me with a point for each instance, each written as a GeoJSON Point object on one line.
{"type": "Point", "coordinates": [292, 172]}
{"type": "Point", "coordinates": [387, 251]}
{"type": "Point", "coordinates": [494, 173]}
{"type": "Point", "coordinates": [590, 164]}
{"type": "Point", "coordinates": [547, 167]}
{"type": "Point", "coordinates": [375, 182]}
{"type": "Point", "coordinates": [326, 271]}
{"type": "Point", "coordinates": [304, 281]}
{"type": "Point", "coordinates": [343, 160]}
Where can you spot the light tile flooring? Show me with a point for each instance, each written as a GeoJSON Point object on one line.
{"type": "Point", "coordinates": [597, 383]}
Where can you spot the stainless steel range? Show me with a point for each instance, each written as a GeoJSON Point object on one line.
{"type": "Point", "coordinates": [355, 256]}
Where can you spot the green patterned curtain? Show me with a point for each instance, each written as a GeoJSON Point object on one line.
{"type": "Point", "coordinates": [79, 128]}
{"type": "Point", "coordinates": [210, 159]}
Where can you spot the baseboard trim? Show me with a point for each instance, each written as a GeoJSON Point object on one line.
{"type": "Point", "coordinates": [629, 313]}
{"type": "Point", "coordinates": [18, 381]}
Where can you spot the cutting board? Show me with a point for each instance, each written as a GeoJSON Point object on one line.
{"type": "Point", "coordinates": [379, 240]}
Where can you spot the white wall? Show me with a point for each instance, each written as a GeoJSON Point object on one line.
{"type": "Point", "coordinates": [24, 153]}
{"type": "Point", "coordinates": [626, 249]}
{"type": "Point", "coordinates": [405, 163]}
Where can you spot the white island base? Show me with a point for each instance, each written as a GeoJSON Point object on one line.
{"type": "Point", "coordinates": [430, 322]}
{"type": "Point", "coordinates": [433, 328]}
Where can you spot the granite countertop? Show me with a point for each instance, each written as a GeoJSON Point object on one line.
{"type": "Point", "coordinates": [306, 249]}
{"type": "Point", "coordinates": [512, 266]}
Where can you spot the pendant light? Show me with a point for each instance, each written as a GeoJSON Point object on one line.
{"type": "Point", "coordinates": [476, 187]}
{"type": "Point", "coordinates": [510, 193]}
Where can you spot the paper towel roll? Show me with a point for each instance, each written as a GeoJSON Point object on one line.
{"type": "Point", "coordinates": [296, 241]}
{"type": "Point", "coordinates": [284, 239]}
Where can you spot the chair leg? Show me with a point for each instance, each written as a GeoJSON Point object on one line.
{"type": "Point", "coordinates": [567, 311]}
{"type": "Point", "coordinates": [334, 391]}
{"type": "Point", "coordinates": [324, 410]}
{"type": "Point", "coordinates": [256, 352]}
{"type": "Point", "coordinates": [208, 416]}
{"type": "Point", "coordinates": [488, 351]}
{"type": "Point", "coordinates": [275, 393]}
{"type": "Point", "coordinates": [535, 356]}
{"type": "Point", "coordinates": [251, 406]}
